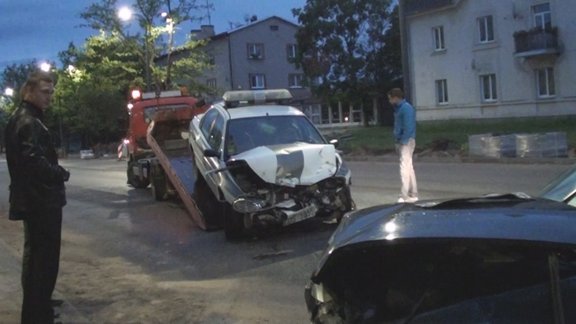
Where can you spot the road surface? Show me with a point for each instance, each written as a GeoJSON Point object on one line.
{"type": "Point", "coordinates": [128, 259]}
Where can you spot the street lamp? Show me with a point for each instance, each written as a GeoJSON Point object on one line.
{"type": "Point", "coordinates": [170, 29]}
{"type": "Point", "coordinates": [125, 13]}
{"type": "Point", "coordinates": [44, 66]}
{"type": "Point", "coordinates": [9, 92]}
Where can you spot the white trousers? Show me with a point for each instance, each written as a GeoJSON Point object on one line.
{"type": "Point", "coordinates": [407, 175]}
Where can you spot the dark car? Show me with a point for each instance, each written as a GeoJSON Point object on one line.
{"type": "Point", "coordinates": [563, 188]}
{"type": "Point", "coordinates": [493, 259]}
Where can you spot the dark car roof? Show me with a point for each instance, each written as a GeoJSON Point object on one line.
{"type": "Point", "coordinates": [496, 218]}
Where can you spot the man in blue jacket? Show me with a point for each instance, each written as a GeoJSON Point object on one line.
{"type": "Point", "coordinates": [405, 137]}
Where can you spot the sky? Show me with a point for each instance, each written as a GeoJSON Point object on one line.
{"type": "Point", "coordinates": [39, 29]}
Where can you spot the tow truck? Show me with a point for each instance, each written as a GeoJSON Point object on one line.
{"type": "Point", "coordinates": [158, 150]}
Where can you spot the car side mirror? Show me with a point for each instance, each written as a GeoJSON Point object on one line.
{"type": "Point", "coordinates": [211, 153]}
{"type": "Point", "coordinates": [334, 142]}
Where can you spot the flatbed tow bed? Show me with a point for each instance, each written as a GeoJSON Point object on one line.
{"type": "Point", "coordinates": [158, 148]}
{"type": "Point", "coordinates": [177, 163]}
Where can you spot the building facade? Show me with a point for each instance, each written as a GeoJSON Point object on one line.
{"type": "Point", "coordinates": [470, 59]}
{"type": "Point", "coordinates": [261, 55]}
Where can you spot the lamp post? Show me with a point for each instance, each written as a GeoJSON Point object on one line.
{"type": "Point", "coordinates": [170, 29]}
{"type": "Point", "coordinates": [125, 14]}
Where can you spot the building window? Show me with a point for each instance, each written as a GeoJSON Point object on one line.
{"type": "Point", "coordinates": [545, 82]}
{"type": "Point", "coordinates": [295, 80]}
{"type": "Point", "coordinates": [274, 27]}
{"type": "Point", "coordinates": [488, 88]}
{"type": "Point", "coordinates": [438, 34]}
{"type": "Point", "coordinates": [257, 81]}
{"type": "Point", "coordinates": [255, 51]}
{"type": "Point", "coordinates": [441, 91]}
{"type": "Point", "coordinates": [211, 83]}
{"type": "Point", "coordinates": [486, 29]}
{"type": "Point", "coordinates": [542, 16]}
{"type": "Point", "coordinates": [291, 51]}
{"type": "Point", "coordinates": [314, 112]}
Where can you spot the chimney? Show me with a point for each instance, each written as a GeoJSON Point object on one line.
{"type": "Point", "coordinates": [205, 31]}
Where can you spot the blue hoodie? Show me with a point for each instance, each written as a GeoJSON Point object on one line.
{"type": "Point", "coordinates": [404, 122]}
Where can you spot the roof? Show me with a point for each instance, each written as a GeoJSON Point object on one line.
{"type": "Point", "coordinates": [225, 34]}
{"type": "Point", "coordinates": [252, 24]}
{"type": "Point", "coordinates": [416, 7]}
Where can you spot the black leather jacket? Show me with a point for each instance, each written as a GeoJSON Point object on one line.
{"type": "Point", "coordinates": [36, 179]}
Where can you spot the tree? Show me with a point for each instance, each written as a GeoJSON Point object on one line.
{"type": "Point", "coordinates": [348, 47]}
{"type": "Point", "coordinates": [157, 32]}
{"type": "Point", "coordinates": [14, 77]}
{"type": "Point", "coordinates": [90, 96]}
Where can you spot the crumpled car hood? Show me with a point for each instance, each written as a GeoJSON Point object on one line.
{"type": "Point", "coordinates": [291, 164]}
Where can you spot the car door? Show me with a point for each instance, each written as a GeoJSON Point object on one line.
{"type": "Point", "coordinates": [214, 136]}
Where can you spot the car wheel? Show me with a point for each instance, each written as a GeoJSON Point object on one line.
{"type": "Point", "coordinates": [211, 208]}
{"type": "Point", "coordinates": [134, 179]}
{"type": "Point", "coordinates": [349, 205]}
{"type": "Point", "coordinates": [233, 224]}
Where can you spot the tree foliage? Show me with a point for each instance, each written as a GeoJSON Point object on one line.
{"type": "Point", "coordinates": [350, 48]}
{"type": "Point", "coordinates": [154, 37]}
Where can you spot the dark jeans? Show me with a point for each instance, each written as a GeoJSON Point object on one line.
{"type": "Point", "coordinates": [42, 235]}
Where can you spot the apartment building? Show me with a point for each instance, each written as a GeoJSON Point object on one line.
{"type": "Point", "coordinates": [260, 55]}
{"type": "Point", "coordinates": [469, 59]}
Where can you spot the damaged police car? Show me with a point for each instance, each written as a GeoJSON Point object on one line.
{"type": "Point", "coordinates": [266, 163]}
{"type": "Point", "coordinates": [493, 259]}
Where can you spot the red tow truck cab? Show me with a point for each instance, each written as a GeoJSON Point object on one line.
{"type": "Point", "coordinates": [144, 108]}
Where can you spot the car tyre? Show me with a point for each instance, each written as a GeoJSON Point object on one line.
{"type": "Point", "coordinates": [159, 186]}
{"type": "Point", "coordinates": [212, 210]}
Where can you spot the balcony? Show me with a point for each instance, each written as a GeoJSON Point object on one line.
{"type": "Point", "coordinates": [536, 42]}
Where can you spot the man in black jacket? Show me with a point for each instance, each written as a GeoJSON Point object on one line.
{"type": "Point", "coordinates": [37, 195]}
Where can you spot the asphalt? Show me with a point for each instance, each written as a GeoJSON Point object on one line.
{"type": "Point", "coordinates": [10, 259]}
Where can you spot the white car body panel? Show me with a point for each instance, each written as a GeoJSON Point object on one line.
{"type": "Point", "coordinates": [292, 165]}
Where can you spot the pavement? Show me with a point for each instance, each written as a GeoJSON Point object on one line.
{"type": "Point", "coordinates": [11, 292]}
{"type": "Point", "coordinates": [10, 259]}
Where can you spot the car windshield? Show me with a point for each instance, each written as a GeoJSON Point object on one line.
{"type": "Point", "coordinates": [562, 188]}
{"type": "Point", "coordinates": [247, 133]}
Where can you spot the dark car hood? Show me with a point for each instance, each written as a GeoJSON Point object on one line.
{"type": "Point", "coordinates": [504, 217]}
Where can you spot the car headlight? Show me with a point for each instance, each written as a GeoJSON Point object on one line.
{"type": "Point", "coordinates": [317, 292]}
{"type": "Point", "coordinates": [247, 205]}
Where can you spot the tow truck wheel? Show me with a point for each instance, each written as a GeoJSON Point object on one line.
{"type": "Point", "coordinates": [134, 179]}
{"type": "Point", "coordinates": [159, 189]}
{"type": "Point", "coordinates": [233, 224]}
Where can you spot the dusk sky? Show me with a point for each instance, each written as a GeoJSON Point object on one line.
{"type": "Point", "coordinates": [39, 29]}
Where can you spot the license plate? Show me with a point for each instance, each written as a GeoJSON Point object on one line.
{"type": "Point", "coordinates": [300, 215]}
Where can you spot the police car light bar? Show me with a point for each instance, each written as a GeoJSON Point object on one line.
{"type": "Point", "coordinates": [251, 97]}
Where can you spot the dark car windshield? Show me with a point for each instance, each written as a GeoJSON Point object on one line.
{"type": "Point", "coordinates": [247, 133]}
{"type": "Point", "coordinates": [562, 188]}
